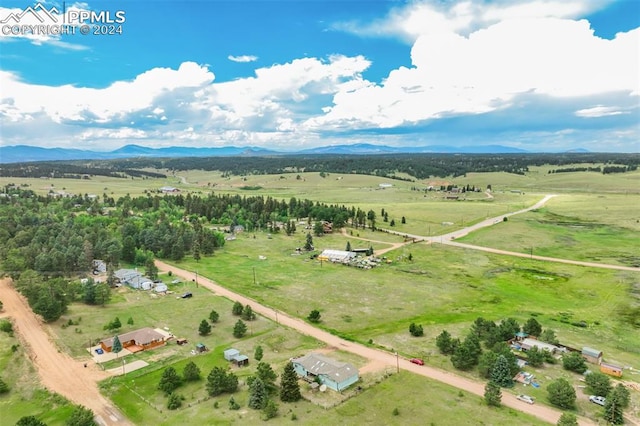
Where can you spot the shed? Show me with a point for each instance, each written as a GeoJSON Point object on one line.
{"type": "Point", "coordinates": [610, 369]}
{"type": "Point", "coordinates": [230, 353]}
{"type": "Point", "coordinates": [160, 288]}
{"type": "Point", "coordinates": [200, 347]}
{"type": "Point", "coordinates": [591, 355]}
{"type": "Point", "coordinates": [240, 360]}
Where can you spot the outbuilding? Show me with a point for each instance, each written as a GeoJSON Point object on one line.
{"type": "Point", "coordinates": [610, 369]}
{"type": "Point", "coordinates": [594, 356]}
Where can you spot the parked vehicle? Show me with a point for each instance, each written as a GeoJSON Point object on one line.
{"type": "Point", "coordinates": [600, 400]}
{"type": "Point", "coordinates": [187, 295]}
{"type": "Point", "coordinates": [417, 361]}
{"type": "Point", "coordinates": [526, 398]}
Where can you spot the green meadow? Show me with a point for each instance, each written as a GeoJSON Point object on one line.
{"type": "Point", "coordinates": [594, 218]}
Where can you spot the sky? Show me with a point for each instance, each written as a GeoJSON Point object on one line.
{"type": "Point", "coordinates": [539, 75]}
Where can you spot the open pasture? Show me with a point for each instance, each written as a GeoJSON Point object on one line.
{"type": "Point", "coordinates": [601, 228]}
{"type": "Point", "coordinates": [441, 286]}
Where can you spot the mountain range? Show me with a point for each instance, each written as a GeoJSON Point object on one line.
{"type": "Point", "coordinates": [27, 153]}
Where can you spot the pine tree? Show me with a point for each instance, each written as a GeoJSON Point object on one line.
{"type": "Point", "coordinates": [270, 410]}
{"type": "Point", "coordinates": [213, 316]}
{"type": "Point", "coordinates": [622, 394]}
{"type": "Point", "coordinates": [237, 309]}
{"type": "Point", "coordinates": [191, 372]}
{"type": "Point", "coordinates": [216, 382]}
{"type": "Point", "coordinates": [81, 416]}
{"type": "Point", "coordinates": [308, 245]}
{"type": "Point", "coordinates": [205, 328]}
{"type": "Point", "coordinates": [257, 394]}
{"type": "Point", "coordinates": [492, 394]}
{"type": "Point", "coordinates": [174, 402]}
{"type": "Point", "coordinates": [289, 386]}
{"type": "Point", "coordinates": [247, 313]}
{"type": "Point", "coordinates": [613, 409]}
{"type": "Point", "coordinates": [348, 248]}
{"type": "Point", "coordinates": [169, 380]}
{"type": "Point", "coordinates": [567, 419]}
{"type": "Point", "coordinates": [116, 347]}
{"type": "Point", "coordinates": [501, 373]}
{"type": "Point", "coordinates": [265, 373]}
{"type": "Point", "coordinates": [444, 342]}
{"type": "Point", "coordinates": [240, 329]}
{"type": "Point", "coordinates": [598, 383]}
{"type": "Point", "coordinates": [535, 357]}
{"type": "Point", "coordinates": [258, 354]}
{"type": "Point", "coordinates": [532, 327]}
{"type": "Point", "coordinates": [561, 393]}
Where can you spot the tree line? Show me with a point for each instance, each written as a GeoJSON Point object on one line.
{"type": "Point", "coordinates": [418, 166]}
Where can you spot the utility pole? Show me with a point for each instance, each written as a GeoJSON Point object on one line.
{"type": "Point", "coordinates": [196, 279]}
{"type": "Point", "coordinates": [254, 276]}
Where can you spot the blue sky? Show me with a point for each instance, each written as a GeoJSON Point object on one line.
{"type": "Point", "coordinates": [541, 75]}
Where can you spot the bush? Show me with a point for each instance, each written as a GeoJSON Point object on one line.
{"type": "Point", "coordinates": [573, 361]}
{"type": "Point", "coordinates": [6, 326]}
{"type": "Point", "coordinates": [174, 402]}
{"type": "Point", "coordinates": [314, 316]}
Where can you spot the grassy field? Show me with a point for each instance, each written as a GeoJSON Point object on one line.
{"type": "Point", "coordinates": [595, 228]}
{"type": "Point", "coordinates": [440, 287]}
{"type": "Point", "coordinates": [594, 218]}
{"type": "Point", "coordinates": [24, 397]}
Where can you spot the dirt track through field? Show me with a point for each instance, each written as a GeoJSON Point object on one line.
{"type": "Point", "coordinates": [58, 371]}
{"type": "Point", "coordinates": [373, 355]}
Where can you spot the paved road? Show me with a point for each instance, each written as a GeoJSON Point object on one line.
{"type": "Point", "coordinates": [58, 371]}
{"type": "Point", "coordinates": [542, 412]}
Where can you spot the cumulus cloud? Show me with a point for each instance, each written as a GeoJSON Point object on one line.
{"type": "Point", "coordinates": [242, 58]}
{"type": "Point", "coordinates": [425, 17]}
{"type": "Point", "coordinates": [505, 71]}
{"type": "Point", "coordinates": [454, 74]}
{"type": "Point", "coordinates": [69, 103]}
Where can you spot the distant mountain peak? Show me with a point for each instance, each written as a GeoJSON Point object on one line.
{"type": "Point", "coordinates": [27, 153]}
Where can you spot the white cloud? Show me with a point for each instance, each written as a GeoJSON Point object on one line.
{"type": "Point", "coordinates": [464, 16]}
{"type": "Point", "coordinates": [242, 58]}
{"type": "Point", "coordinates": [70, 103]}
{"type": "Point", "coordinates": [599, 111]}
{"type": "Point", "coordinates": [453, 74]}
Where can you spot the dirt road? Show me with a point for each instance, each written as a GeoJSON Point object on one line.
{"type": "Point", "coordinates": [58, 371]}
{"type": "Point", "coordinates": [373, 355]}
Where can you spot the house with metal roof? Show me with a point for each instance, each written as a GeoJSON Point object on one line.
{"type": "Point", "coordinates": [529, 343]}
{"type": "Point", "coordinates": [334, 374]}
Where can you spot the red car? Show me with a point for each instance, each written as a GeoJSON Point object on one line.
{"type": "Point", "coordinates": [417, 361]}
